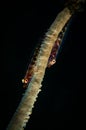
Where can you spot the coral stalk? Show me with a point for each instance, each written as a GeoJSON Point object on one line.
{"type": "Point", "coordinates": [24, 110]}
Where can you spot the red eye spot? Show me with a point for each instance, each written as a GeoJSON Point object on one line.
{"type": "Point", "coordinates": [26, 81]}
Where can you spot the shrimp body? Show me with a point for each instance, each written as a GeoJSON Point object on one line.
{"type": "Point", "coordinates": [31, 68]}
{"type": "Point", "coordinates": [52, 58]}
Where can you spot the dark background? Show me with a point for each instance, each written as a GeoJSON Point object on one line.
{"type": "Point", "coordinates": [61, 103]}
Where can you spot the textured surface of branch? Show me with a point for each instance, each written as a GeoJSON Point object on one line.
{"type": "Point", "coordinates": [76, 5]}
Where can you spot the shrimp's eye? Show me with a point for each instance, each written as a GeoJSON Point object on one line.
{"type": "Point", "coordinates": [26, 80]}
{"type": "Point", "coordinates": [23, 80]}
{"type": "Point", "coordinates": [54, 61]}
